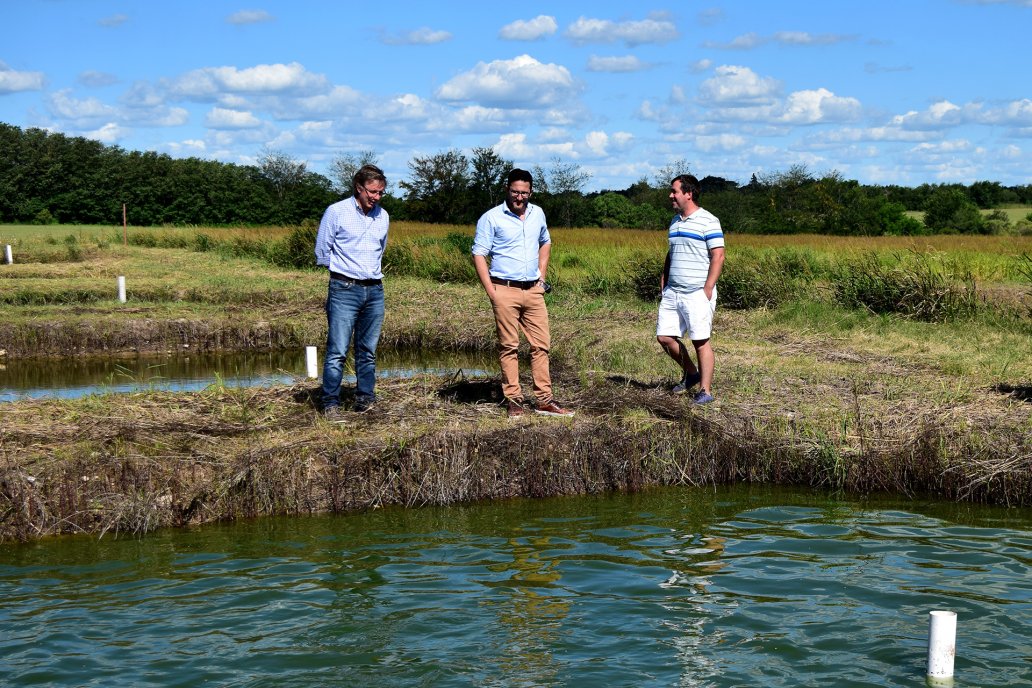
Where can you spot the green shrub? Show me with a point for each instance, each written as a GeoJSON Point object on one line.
{"type": "Point", "coordinates": [914, 288]}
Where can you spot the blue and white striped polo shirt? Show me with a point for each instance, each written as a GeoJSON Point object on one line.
{"type": "Point", "coordinates": [691, 240]}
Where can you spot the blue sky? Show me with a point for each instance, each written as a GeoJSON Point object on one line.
{"type": "Point", "coordinates": [901, 92]}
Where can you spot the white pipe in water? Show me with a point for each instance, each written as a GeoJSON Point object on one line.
{"type": "Point", "coordinates": [942, 646]}
{"type": "Point", "coordinates": [8, 256]}
{"type": "Point", "coordinates": [312, 361]}
{"type": "Point", "coordinates": [121, 289]}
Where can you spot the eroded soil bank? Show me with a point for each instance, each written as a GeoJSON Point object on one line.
{"type": "Point", "coordinates": [132, 463]}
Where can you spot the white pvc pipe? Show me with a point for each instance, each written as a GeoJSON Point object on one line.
{"type": "Point", "coordinates": [312, 361]}
{"type": "Point", "coordinates": [942, 645]}
{"type": "Point", "coordinates": [8, 256]}
{"type": "Point", "coordinates": [121, 289]}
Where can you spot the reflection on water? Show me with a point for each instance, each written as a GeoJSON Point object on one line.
{"type": "Point", "coordinates": [675, 587]}
{"type": "Point", "coordinates": [80, 376]}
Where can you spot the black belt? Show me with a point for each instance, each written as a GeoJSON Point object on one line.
{"type": "Point", "coordinates": [514, 283]}
{"type": "Point", "coordinates": [364, 283]}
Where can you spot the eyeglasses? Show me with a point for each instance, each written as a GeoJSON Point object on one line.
{"type": "Point", "coordinates": [374, 192]}
{"type": "Point", "coordinates": [520, 194]}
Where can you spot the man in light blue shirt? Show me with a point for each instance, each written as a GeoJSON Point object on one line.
{"type": "Point", "coordinates": [514, 235]}
{"type": "Point", "coordinates": [351, 240]}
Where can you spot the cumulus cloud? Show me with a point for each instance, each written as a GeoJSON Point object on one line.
{"type": "Point", "coordinates": [738, 85]}
{"type": "Point", "coordinates": [632, 33]}
{"type": "Point", "coordinates": [64, 106]}
{"type": "Point", "coordinates": [12, 81]}
{"type": "Point", "coordinates": [530, 29]}
{"type": "Point", "coordinates": [221, 118]}
{"type": "Point", "coordinates": [420, 36]}
{"type": "Point", "coordinates": [820, 105]}
{"type": "Point", "coordinates": [626, 63]}
{"type": "Point", "coordinates": [113, 20]}
{"type": "Point", "coordinates": [249, 17]}
{"type": "Point", "coordinates": [209, 82]}
{"type": "Point", "coordinates": [110, 133]}
{"type": "Point", "coordinates": [940, 115]}
{"type": "Point", "coordinates": [521, 82]}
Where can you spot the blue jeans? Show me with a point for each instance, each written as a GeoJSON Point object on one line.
{"type": "Point", "coordinates": [351, 309]}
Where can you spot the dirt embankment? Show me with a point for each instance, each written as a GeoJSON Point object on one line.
{"type": "Point", "coordinates": [132, 463]}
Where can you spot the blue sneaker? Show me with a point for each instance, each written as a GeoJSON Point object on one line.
{"type": "Point", "coordinates": [702, 397]}
{"type": "Point", "coordinates": [687, 382]}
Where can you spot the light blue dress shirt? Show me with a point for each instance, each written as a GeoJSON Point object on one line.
{"type": "Point", "coordinates": [512, 244]}
{"type": "Point", "coordinates": [351, 242]}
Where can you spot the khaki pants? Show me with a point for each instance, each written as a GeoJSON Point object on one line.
{"type": "Point", "coordinates": [518, 309]}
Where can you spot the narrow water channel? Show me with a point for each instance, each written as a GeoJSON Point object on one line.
{"type": "Point", "coordinates": [80, 376]}
{"type": "Point", "coordinates": [674, 587]}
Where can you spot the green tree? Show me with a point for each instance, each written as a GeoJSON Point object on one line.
{"type": "Point", "coordinates": [344, 166]}
{"type": "Point", "coordinates": [949, 208]}
{"type": "Point", "coordinates": [438, 190]}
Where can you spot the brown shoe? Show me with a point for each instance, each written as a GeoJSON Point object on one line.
{"type": "Point", "coordinates": [552, 409]}
{"type": "Point", "coordinates": [515, 408]}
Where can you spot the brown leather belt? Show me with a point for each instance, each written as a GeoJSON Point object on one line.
{"type": "Point", "coordinates": [362, 282]}
{"type": "Point", "coordinates": [514, 283]}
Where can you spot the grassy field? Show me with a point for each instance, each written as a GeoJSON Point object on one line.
{"type": "Point", "coordinates": [863, 364]}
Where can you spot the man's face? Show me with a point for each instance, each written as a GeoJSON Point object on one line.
{"type": "Point", "coordinates": [518, 196]}
{"type": "Point", "coordinates": [678, 198]}
{"type": "Point", "coordinates": [370, 194]}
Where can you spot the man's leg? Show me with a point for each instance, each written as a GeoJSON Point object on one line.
{"type": "Point", "coordinates": [368, 324]}
{"type": "Point", "coordinates": [704, 352]}
{"type": "Point", "coordinates": [535, 325]}
{"type": "Point", "coordinates": [670, 324]}
{"type": "Point", "coordinates": [507, 305]}
{"type": "Point", "coordinates": [341, 308]}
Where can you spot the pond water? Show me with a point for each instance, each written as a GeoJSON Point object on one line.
{"type": "Point", "coordinates": [673, 587]}
{"type": "Point", "coordinates": [79, 376]}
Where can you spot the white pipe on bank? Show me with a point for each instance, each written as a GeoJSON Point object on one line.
{"type": "Point", "coordinates": [121, 289]}
{"type": "Point", "coordinates": [942, 646]}
{"type": "Point", "coordinates": [312, 361]}
{"type": "Point", "coordinates": [8, 256]}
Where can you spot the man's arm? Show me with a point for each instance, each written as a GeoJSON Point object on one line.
{"type": "Point", "coordinates": [480, 263]}
{"type": "Point", "coordinates": [544, 253]}
{"type": "Point", "coordinates": [322, 240]}
{"type": "Point", "coordinates": [715, 266]}
{"type": "Point", "coordinates": [663, 276]}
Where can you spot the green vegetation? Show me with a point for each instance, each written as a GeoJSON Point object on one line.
{"type": "Point", "coordinates": [859, 363]}
{"type": "Point", "coordinates": [60, 179]}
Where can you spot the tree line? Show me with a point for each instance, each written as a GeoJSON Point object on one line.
{"type": "Point", "coordinates": [49, 177]}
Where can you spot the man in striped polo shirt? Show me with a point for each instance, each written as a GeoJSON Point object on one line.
{"type": "Point", "coordinates": [689, 287]}
{"type": "Point", "coordinates": [350, 242]}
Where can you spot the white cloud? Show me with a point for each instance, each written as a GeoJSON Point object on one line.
{"type": "Point", "coordinates": [221, 118]}
{"type": "Point", "coordinates": [752, 40]}
{"type": "Point", "coordinates": [700, 66]}
{"type": "Point", "coordinates": [521, 82]}
{"type": "Point", "coordinates": [209, 82]}
{"type": "Point", "coordinates": [420, 36]}
{"type": "Point", "coordinates": [626, 63]}
{"type": "Point", "coordinates": [821, 105]}
{"type": "Point", "coordinates": [720, 142]}
{"type": "Point", "coordinates": [109, 133]}
{"type": "Point", "coordinates": [632, 33]}
{"type": "Point", "coordinates": [64, 106]}
{"type": "Point", "coordinates": [738, 85]}
{"type": "Point", "coordinates": [249, 17]}
{"type": "Point", "coordinates": [12, 81]}
{"type": "Point", "coordinates": [187, 147]}
{"type": "Point", "coordinates": [940, 115]}
{"type": "Point", "coordinates": [530, 29]}
{"type": "Point", "coordinates": [596, 142]}
{"type": "Point", "coordinates": [96, 79]}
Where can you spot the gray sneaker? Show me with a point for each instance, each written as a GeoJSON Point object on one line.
{"type": "Point", "coordinates": [687, 382]}
{"type": "Point", "coordinates": [333, 414]}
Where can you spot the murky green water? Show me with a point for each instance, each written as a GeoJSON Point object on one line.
{"type": "Point", "coordinates": [74, 377]}
{"type": "Point", "coordinates": [675, 587]}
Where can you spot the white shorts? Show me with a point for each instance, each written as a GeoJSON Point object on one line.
{"type": "Point", "coordinates": [686, 313]}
